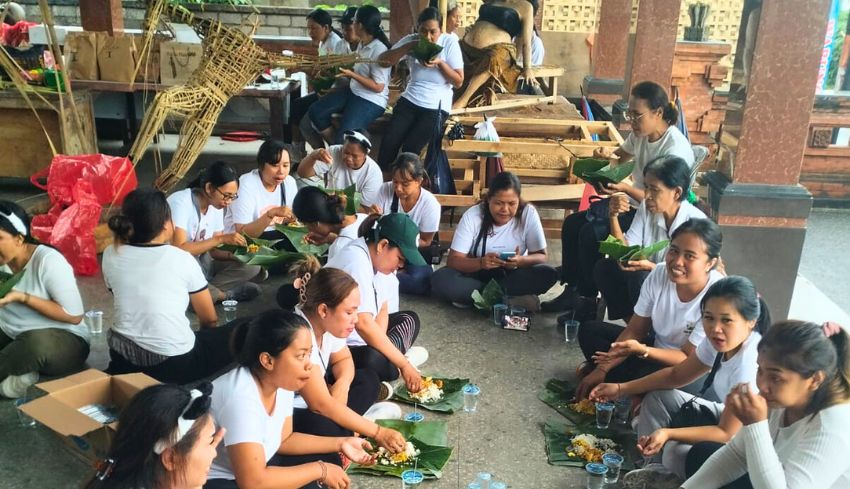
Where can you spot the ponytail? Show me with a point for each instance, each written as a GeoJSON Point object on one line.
{"type": "Point", "coordinates": [656, 98]}
{"type": "Point", "coordinates": [144, 215]}
{"type": "Point", "coordinates": [303, 270]}
{"type": "Point", "coordinates": [839, 385]}
{"type": "Point", "coordinates": [370, 18]}
{"type": "Point", "coordinates": [270, 332]}
{"type": "Point", "coordinates": [366, 227]}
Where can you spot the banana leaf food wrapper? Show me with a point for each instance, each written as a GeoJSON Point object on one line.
{"type": "Point", "coordinates": [425, 50]}
{"type": "Point", "coordinates": [599, 172]}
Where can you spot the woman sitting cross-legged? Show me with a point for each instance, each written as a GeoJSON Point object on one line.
{"type": "Point", "coordinates": [153, 283]}
{"type": "Point", "coordinates": [663, 330]}
{"type": "Point", "coordinates": [732, 318]}
{"type": "Point", "coordinates": [501, 238]}
{"type": "Point", "coordinates": [198, 216]}
{"type": "Point", "coordinates": [40, 318]}
{"type": "Point", "coordinates": [667, 181]}
{"type": "Point", "coordinates": [796, 432]}
{"type": "Point", "coordinates": [254, 404]}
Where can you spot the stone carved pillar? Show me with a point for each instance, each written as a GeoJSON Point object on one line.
{"type": "Point", "coordinates": [655, 43]}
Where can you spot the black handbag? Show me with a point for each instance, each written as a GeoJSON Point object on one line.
{"type": "Point", "coordinates": [694, 414]}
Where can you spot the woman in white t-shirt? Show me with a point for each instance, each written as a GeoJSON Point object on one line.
{"type": "Point", "coordinates": [342, 165]}
{"type": "Point", "coordinates": [427, 100]}
{"type": "Point", "coordinates": [40, 318]}
{"type": "Point", "coordinates": [665, 208]}
{"type": "Point", "coordinates": [366, 97]}
{"type": "Point", "coordinates": [796, 431]}
{"type": "Point", "coordinates": [198, 216]}
{"type": "Point", "coordinates": [654, 133]}
{"type": "Point", "coordinates": [406, 194]}
{"type": "Point", "coordinates": [733, 318]}
{"type": "Point", "coordinates": [663, 330]}
{"type": "Point", "coordinates": [254, 404]}
{"type": "Point", "coordinates": [152, 284]}
{"type": "Point", "coordinates": [265, 194]}
{"type": "Point", "coordinates": [502, 239]}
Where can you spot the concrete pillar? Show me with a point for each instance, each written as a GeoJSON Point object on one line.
{"type": "Point", "coordinates": [102, 15]}
{"type": "Point", "coordinates": [763, 212]}
{"type": "Point", "coordinates": [403, 15]}
{"type": "Point", "coordinates": [611, 45]}
{"type": "Point", "coordinates": [655, 43]}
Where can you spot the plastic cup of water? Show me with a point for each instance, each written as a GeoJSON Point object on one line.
{"type": "Point", "coordinates": [498, 485]}
{"type": "Point", "coordinates": [484, 479]}
{"type": "Point", "coordinates": [499, 311]}
{"type": "Point", "coordinates": [410, 479]}
{"type": "Point", "coordinates": [229, 310]}
{"type": "Point", "coordinates": [614, 462]}
{"type": "Point", "coordinates": [622, 410]}
{"type": "Point", "coordinates": [94, 320]}
{"type": "Point", "coordinates": [595, 475]}
{"type": "Point", "coordinates": [473, 485]}
{"type": "Point", "coordinates": [23, 418]}
{"type": "Point", "coordinates": [470, 397]}
{"type": "Point", "coordinates": [571, 330]}
{"type": "Point", "coordinates": [604, 411]}
{"type": "Point", "coordinates": [414, 417]}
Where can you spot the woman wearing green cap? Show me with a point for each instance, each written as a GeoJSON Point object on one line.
{"type": "Point", "coordinates": [381, 339]}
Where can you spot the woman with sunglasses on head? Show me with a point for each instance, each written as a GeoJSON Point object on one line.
{"type": "Point", "coordinates": [654, 134]}
{"type": "Point", "coordinates": [796, 432]}
{"type": "Point", "coordinates": [342, 165]}
{"type": "Point", "coordinates": [166, 439]}
{"type": "Point", "coordinates": [41, 330]}
{"type": "Point", "coordinates": [265, 194]}
{"type": "Point", "coordinates": [198, 216]}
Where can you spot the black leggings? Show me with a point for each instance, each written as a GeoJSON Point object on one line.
{"type": "Point", "coordinates": [298, 110]}
{"type": "Point", "coordinates": [402, 330]}
{"type": "Point", "coordinates": [411, 129]}
{"type": "Point", "coordinates": [594, 336]}
{"type": "Point", "coordinates": [619, 288]}
{"type": "Point", "coordinates": [697, 456]}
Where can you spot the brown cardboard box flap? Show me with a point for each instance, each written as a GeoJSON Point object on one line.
{"type": "Point", "coordinates": [83, 377]}
{"type": "Point", "coordinates": [59, 417]}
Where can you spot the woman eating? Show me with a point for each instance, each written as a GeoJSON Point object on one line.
{"type": "Point", "coordinates": [502, 239]}
{"type": "Point", "coordinates": [427, 99]}
{"type": "Point", "coordinates": [663, 330]}
{"type": "Point", "coordinates": [254, 404]}
{"type": "Point", "coordinates": [198, 216]}
{"type": "Point", "coordinates": [41, 329]}
{"type": "Point", "coordinates": [153, 283]}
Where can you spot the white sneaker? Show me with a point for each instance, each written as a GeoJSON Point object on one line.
{"type": "Point", "coordinates": [417, 355]}
{"type": "Point", "coordinates": [15, 386]}
{"type": "Point", "coordinates": [383, 410]}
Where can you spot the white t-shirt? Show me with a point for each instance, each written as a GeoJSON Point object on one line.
{"type": "Point", "coordinates": [367, 179]}
{"type": "Point", "coordinates": [742, 367]}
{"type": "Point", "coordinates": [428, 87]}
{"type": "Point", "coordinates": [672, 143]}
{"type": "Point", "coordinates": [811, 453]}
{"type": "Point", "coordinates": [254, 200]}
{"type": "Point", "coordinates": [375, 71]}
{"type": "Point", "coordinates": [648, 228]}
{"type": "Point", "coordinates": [346, 235]}
{"type": "Point", "coordinates": [537, 50]}
{"type": "Point", "coordinates": [151, 287]}
{"type": "Point", "coordinates": [356, 261]}
{"type": "Point", "coordinates": [425, 212]}
{"type": "Point", "coordinates": [320, 358]}
{"type": "Point", "coordinates": [333, 44]}
{"type": "Point", "coordinates": [386, 286]}
{"type": "Point", "coordinates": [673, 321]}
{"type": "Point", "coordinates": [186, 215]}
{"type": "Point", "coordinates": [236, 406]}
{"type": "Point", "coordinates": [527, 234]}
{"type": "Point", "coordinates": [47, 275]}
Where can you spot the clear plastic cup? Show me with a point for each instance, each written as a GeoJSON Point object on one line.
{"type": "Point", "coordinates": [499, 311]}
{"type": "Point", "coordinates": [229, 310]}
{"type": "Point", "coordinates": [484, 479]}
{"type": "Point", "coordinates": [595, 475]}
{"type": "Point", "coordinates": [498, 485]}
{"type": "Point", "coordinates": [473, 485]}
{"type": "Point", "coordinates": [23, 418]}
{"type": "Point", "coordinates": [411, 479]}
{"type": "Point", "coordinates": [571, 330]}
{"type": "Point", "coordinates": [94, 320]}
{"type": "Point", "coordinates": [414, 417]}
{"type": "Point", "coordinates": [470, 397]}
{"type": "Point", "coordinates": [604, 412]}
{"type": "Point", "coordinates": [614, 462]}
{"type": "Point", "coordinates": [622, 410]}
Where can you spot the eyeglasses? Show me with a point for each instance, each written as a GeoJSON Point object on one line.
{"type": "Point", "coordinates": [230, 197]}
{"type": "Point", "coordinates": [632, 116]}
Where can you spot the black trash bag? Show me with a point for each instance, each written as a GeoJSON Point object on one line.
{"type": "Point", "coordinates": [437, 161]}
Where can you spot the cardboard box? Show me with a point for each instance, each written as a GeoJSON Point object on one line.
{"type": "Point", "coordinates": [58, 410]}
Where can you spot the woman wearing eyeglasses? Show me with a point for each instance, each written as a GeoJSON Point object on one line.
{"type": "Point", "coordinates": [198, 216]}
{"type": "Point", "coordinates": [654, 134]}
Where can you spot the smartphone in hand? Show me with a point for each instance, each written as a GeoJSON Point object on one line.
{"type": "Point", "coordinates": [505, 255]}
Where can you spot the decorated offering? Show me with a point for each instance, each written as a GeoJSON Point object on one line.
{"type": "Point", "coordinates": [438, 394]}
{"type": "Point", "coordinates": [427, 450]}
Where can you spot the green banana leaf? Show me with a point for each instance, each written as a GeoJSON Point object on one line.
{"type": "Point", "coordinates": [8, 281]}
{"type": "Point", "coordinates": [452, 396]}
{"type": "Point", "coordinates": [430, 437]}
{"type": "Point", "coordinates": [325, 79]}
{"type": "Point", "coordinates": [598, 172]}
{"type": "Point", "coordinates": [489, 296]}
{"type": "Point", "coordinates": [646, 252]}
{"type": "Point", "coordinates": [425, 50]}
{"type": "Point", "coordinates": [265, 256]}
{"type": "Point", "coordinates": [296, 234]}
{"type": "Point", "coordinates": [615, 249]}
{"type": "Point", "coordinates": [559, 394]}
{"type": "Point", "coordinates": [352, 196]}
{"type": "Point", "coordinates": [558, 435]}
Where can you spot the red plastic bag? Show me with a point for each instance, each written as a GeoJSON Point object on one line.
{"type": "Point", "coordinates": [111, 178]}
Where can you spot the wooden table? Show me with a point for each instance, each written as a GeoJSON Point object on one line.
{"type": "Point", "coordinates": [276, 98]}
